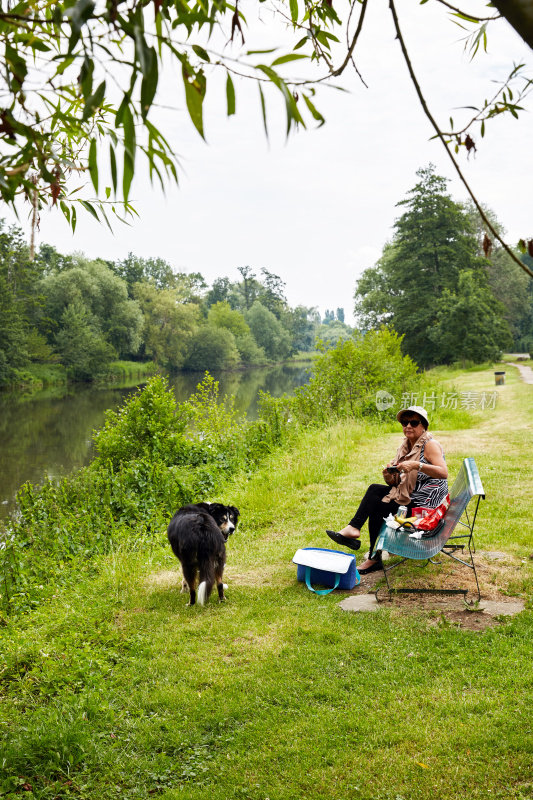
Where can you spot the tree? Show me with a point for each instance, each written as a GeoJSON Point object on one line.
{"type": "Point", "coordinates": [169, 325]}
{"type": "Point", "coordinates": [219, 291]}
{"type": "Point", "coordinates": [221, 315]}
{"type": "Point", "coordinates": [18, 301]}
{"type": "Point", "coordinates": [268, 332]}
{"type": "Point", "coordinates": [507, 281]}
{"type": "Point", "coordinates": [81, 344]}
{"type": "Point", "coordinates": [212, 348]}
{"type": "Point", "coordinates": [134, 269]}
{"type": "Point", "coordinates": [103, 294]}
{"type": "Point", "coordinates": [433, 245]}
{"type": "Point", "coordinates": [469, 323]}
{"type": "Point", "coordinates": [80, 74]}
{"type": "Point", "coordinates": [302, 323]}
{"type": "Point", "coordinates": [272, 295]}
{"type": "Point", "coordinates": [332, 333]}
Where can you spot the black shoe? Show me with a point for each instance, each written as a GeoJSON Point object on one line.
{"type": "Point", "coordinates": [346, 541]}
{"type": "Point", "coordinates": [372, 568]}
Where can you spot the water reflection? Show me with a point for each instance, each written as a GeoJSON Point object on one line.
{"type": "Point", "coordinates": [50, 434]}
{"type": "Point", "coordinates": [245, 386]}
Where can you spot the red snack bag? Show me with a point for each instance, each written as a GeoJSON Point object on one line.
{"type": "Point", "coordinates": [431, 516]}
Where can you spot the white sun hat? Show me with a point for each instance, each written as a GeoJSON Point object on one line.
{"type": "Point", "coordinates": [416, 410]}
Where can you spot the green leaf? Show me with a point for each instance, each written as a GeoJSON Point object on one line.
{"type": "Point", "coordinates": [17, 67]}
{"type": "Point", "coordinates": [314, 112]}
{"type": "Point", "coordinates": [94, 102]}
{"type": "Point", "coordinates": [293, 5]}
{"type": "Point", "coordinates": [263, 108]}
{"type": "Point", "coordinates": [37, 44]}
{"type": "Point", "coordinates": [465, 17]}
{"type": "Point", "coordinates": [288, 57]}
{"type": "Point", "coordinates": [300, 43]}
{"type": "Point", "coordinates": [113, 164]}
{"type": "Point", "coordinates": [195, 86]}
{"type": "Point", "coordinates": [149, 84]}
{"type": "Point", "coordinates": [127, 175]}
{"type": "Point", "coordinates": [129, 151]}
{"type": "Point", "coordinates": [143, 51]}
{"type": "Point", "coordinates": [201, 53]}
{"type": "Point", "coordinates": [230, 95]}
{"type": "Point", "coordinates": [129, 132]}
{"type": "Point", "coordinates": [85, 78]}
{"type": "Point", "coordinates": [90, 208]}
{"type": "Point", "coordinates": [93, 165]}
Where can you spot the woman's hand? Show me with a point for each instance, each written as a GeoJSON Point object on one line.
{"type": "Point", "coordinates": [409, 466]}
{"type": "Point", "coordinates": [390, 478]}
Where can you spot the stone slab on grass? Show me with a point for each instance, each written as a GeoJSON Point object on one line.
{"type": "Point", "coordinates": [497, 608]}
{"type": "Point", "coordinates": [494, 555]}
{"type": "Point", "coordinates": [360, 602]}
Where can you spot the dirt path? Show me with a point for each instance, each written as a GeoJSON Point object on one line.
{"type": "Point", "coordinates": [525, 371]}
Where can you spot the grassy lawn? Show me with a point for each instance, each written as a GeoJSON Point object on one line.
{"type": "Point", "coordinates": [118, 690]}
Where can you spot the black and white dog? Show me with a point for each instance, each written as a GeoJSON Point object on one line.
{"type": "Point", "coordinates": [198, 535]}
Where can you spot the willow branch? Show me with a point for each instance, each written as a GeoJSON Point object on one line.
{"type": "Point", "coordinates": [440, 135]}
{"type": "Point", "coordinates": [355, 37]}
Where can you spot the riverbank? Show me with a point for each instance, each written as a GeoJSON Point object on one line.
{"type": "Point", "coordinates": [115, 688]}
{"type": "Point", "coordinates": [36, 377]}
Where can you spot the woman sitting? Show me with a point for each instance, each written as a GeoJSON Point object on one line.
{"type": "Point", "coordinates": [415, 478]}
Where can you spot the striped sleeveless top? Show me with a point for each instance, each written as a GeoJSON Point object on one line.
{"type": "Point", "coordinates": [428, 492]}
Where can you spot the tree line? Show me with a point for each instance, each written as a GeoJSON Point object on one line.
{"type": "Point", "coordinates": [84, 314]}
{"type": "Point", "coordinates": [452, 292]}
{"type": "Point", "coordinates": [442, 283]}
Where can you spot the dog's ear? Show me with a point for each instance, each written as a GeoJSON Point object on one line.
{"type": "Point", "coordinates": [236, 512]}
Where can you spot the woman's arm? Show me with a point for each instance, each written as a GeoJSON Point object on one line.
{"type": "Point", "coordinates": [436, 466]}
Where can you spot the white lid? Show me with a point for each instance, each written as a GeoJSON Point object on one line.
{"type": "Point", "coordinates": [328, 560]}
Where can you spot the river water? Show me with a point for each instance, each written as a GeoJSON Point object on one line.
{"type": "Point", "coordinates": [50, 434]}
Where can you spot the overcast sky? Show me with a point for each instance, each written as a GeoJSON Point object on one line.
{"type": "Point", "coordinates": [317, 210]}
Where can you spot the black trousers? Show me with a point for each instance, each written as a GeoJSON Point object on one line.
{"type": "Point", "coordinates": [373, 509]}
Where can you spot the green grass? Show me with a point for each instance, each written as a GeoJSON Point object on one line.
{"type": "Point", "coordinates": [36, 376]}
{"type": "Point", "coordinates": [120, 370]}
{"type": "Point", "coordinates": [116, 689]}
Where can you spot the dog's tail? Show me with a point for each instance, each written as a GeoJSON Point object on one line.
{"type": "Point", "coordinates": [202, 593]}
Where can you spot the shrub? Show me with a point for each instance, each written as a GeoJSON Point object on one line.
{"type": "Point", "coordinates": [347, 377]}
{"type": "Point", "coordinates": [148, 425]}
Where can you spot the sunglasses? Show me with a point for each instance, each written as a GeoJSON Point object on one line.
{"type": "Point", "coordinates": [412, 422]}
